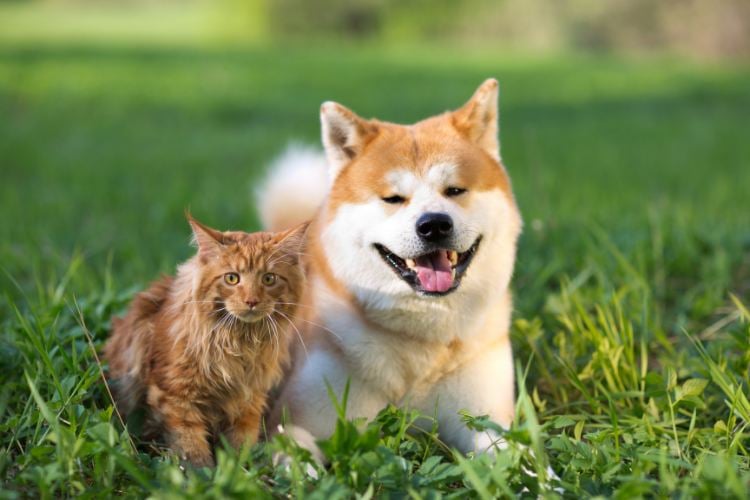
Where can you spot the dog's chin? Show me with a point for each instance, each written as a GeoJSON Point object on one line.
{"type": "Point", "coordinates": [433, 274]}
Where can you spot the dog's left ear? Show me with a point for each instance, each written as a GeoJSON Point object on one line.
{"type": "Point", "coordinates": [345, 135]}
{"type": "Point", "coordinates": [477, 119]}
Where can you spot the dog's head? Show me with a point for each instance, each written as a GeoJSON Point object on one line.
{"type": "Point", "coordinates": [421, 211]}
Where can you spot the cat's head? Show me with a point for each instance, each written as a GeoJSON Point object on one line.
{"type": "Point", "coordinates": [248, 276]}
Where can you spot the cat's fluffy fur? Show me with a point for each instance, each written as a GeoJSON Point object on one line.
{"type": "Point", "coordinates": [200, 353]}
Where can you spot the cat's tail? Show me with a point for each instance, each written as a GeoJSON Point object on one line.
{"type": "Point", "coordinates": [295, 187]}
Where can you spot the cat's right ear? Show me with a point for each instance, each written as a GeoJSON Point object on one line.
{"type": "Point", "coordinates": [208, 240]}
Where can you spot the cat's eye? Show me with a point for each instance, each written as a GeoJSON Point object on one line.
{"type": "Point", "coordinates": [393, 200]}
{"type": "Point", "coordinates": [454, 191]}
{"type": "Point", "coordinates": [231, 278]}
{"type": "Point", "coordinates": [268, 279]}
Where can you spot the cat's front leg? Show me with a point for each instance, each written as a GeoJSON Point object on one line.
{"type": "Point", "coordinates": [186, 432]}
{"type": "Point", "coordinates": [245, 427]}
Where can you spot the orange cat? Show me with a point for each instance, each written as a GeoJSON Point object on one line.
{"type": "Point", "coordinates": [203, 349]}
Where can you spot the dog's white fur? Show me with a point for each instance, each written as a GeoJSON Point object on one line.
{"type": "Point", "coordinates": [435, 354]}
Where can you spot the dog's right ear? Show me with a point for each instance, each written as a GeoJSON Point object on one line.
{"type": "Point", "coordinates": [345, 135]}
{"type": "Point", "coordinates": [477, 119]}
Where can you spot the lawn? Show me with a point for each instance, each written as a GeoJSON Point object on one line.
{"type": "Point", "coordinates": [631, 330]}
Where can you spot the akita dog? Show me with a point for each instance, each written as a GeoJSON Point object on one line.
{"type": "Point", "coordinates": [410, 254]}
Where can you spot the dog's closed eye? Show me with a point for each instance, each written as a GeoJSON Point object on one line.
{"type": "Point", "coordinates": [395, 199]}
{"type": "Point", "coordinates": [454, 191]}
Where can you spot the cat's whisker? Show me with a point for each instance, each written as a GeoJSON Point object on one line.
{"type": "Point", "coordinates": [223, 322]}
{"type": "Point", "coordinates": [321, 327]}
{"type": "Point", "coordinates": [299, 335]}
{"type": "Point", "coordinates": [271, 329]}
{"type": "Point", "coordinates": [221, 310]}
{"type": "Point", "coordinates": [296, 304]}
{"type": "Point", "coordinates": [267, 328]}
{"type": "Point", "coordinates": [275, 335]}
{"type": "Point", "coordinates": [278, 336]}
{"type": "Point", "coordinates": [298, 318]}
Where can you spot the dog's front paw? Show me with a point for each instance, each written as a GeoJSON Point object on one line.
{"type": "Point", "coordinates": [487, 442]}
{"type": "Point", "coordinates": [305, 440]}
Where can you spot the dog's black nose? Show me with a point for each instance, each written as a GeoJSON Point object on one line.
{"type": "Point", "coordinates": [434, 226]}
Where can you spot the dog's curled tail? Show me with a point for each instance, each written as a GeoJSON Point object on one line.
{"type": "Point", "coordinates": [295, 187]}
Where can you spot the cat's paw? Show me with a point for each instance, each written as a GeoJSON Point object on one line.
{"type": "Point", "coordinates": [238, 440]}
{"type": "Point", "coordinates": [197, 460]}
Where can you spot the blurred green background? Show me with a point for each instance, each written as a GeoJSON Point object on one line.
{"type": "Point", "coordinates": [117, 115]}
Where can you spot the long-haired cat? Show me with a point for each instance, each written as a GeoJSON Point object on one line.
{"type": "Point", "coordinates": [200, 351]}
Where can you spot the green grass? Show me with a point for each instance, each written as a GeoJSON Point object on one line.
{"type": "Point", "coordinates": [632, 286]}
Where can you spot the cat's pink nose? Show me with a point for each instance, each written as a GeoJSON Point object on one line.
{"type": "Point", "coordinates": [251, 303]}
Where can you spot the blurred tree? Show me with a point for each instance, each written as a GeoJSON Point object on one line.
{"type": "Point", "coordinates": [703, 28]}
{"type": "Point", "coordinates": [353, 18]}
{"type": "Point", "coordinates": [706, 28]}
{"type": "Point", "coordinates": [698, 28]}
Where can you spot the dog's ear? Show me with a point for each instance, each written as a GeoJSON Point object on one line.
{"type": "Point", "coordinates": [477, 119]}
{"type": "Point", "coordinates": [344, 135]}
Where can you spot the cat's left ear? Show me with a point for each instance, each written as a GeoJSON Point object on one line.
{"type": "Point", "coordinates": [209, 241]}
{"type": "Point", "coordinates": [294, 240]}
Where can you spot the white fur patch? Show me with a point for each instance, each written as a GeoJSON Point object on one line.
{"type": "Point", "coordinates": [403, 182]}
{"type": "Point", "coordinates": [295, 187]}
{"type": "Point", "coordinates": [349, 244]}
{"type": "Point", "coordinates": [442, 175]}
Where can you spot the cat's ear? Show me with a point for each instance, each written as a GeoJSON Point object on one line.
{"type": "Point", "coordinates": [294, 241]}
{"type": "Point", "coordinates": [209, 241]}
{"type": "Point", "coordinates": [344, 135]}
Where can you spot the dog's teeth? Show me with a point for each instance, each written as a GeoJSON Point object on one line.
{"type": "Point", "coordinates": [453, 274]}
{"type": "Point", "coordinates": [453, 257]}
{"type": "Point", "coordinates": [411, 264]}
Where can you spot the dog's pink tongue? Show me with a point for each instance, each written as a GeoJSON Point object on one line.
{"type": "Point", "coordinates": [434, 272]}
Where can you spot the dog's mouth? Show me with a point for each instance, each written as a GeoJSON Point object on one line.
{"type": "Point", "coordinates": [435, 273]}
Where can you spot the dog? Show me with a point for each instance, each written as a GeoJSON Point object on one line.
{"type": "Point", "coordinates": [410, 253]}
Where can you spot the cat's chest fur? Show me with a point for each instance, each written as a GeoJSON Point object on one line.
{"type": "Point", "coordinates": [241, 373]}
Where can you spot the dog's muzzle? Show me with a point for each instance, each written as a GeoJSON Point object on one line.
{"type": "Point", "coordinates": [435, 273]}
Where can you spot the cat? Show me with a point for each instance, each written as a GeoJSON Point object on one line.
{"type": "Point", "coordinates": [200, 351]}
